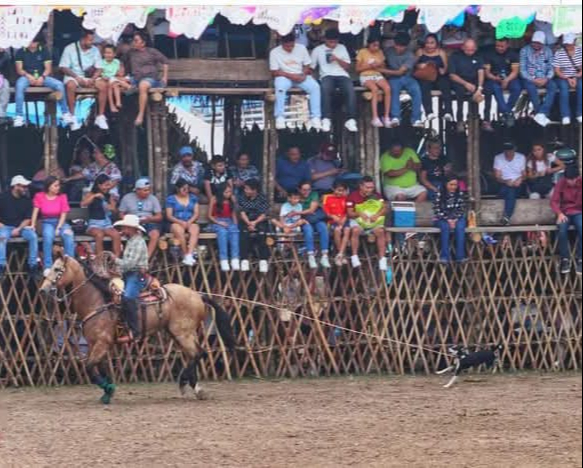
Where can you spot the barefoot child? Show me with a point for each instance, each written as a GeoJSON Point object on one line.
{"type": "Point", "coordinates": [113, 72]}
{"type": "Point", "coordinates": [334, 206]}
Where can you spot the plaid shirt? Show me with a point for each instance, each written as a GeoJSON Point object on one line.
{"type": "Point", "coordinates": [135, 255]}
{"type": "Point", "coordinates": [193, 175]}
{"type": "Point", "coordinates": [535, 65]}
{"type": "Point", "coordinates": [453, 207]}
{"type": "Point", "coordinates": [253, 208]}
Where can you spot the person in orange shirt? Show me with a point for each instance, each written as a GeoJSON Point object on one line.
{"type": "Point", "coordinates": [334, 205]}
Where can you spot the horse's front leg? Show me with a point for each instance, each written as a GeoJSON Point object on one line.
{"type": "Point", "coordinates": [96, 356]}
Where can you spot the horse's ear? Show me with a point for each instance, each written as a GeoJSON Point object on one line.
{"type": "Point", "coordinates": [58, 251]}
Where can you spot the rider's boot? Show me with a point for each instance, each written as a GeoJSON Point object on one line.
{"type": "Point", "coordinates": [130, 309]}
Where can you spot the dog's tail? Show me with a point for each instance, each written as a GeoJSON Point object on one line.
{"type": "Point", "coordinates": [223, 322]}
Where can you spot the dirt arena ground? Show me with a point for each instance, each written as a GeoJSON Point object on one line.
{"type": "Point", "coordinates": [484, 421]}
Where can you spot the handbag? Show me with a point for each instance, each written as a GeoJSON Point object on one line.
{"type": "Point", "coordinates": [89, 72]}
{"type": "Point", "coordinates": [316, 217]}
{"type": "Point", "coordinates": [427, 73]}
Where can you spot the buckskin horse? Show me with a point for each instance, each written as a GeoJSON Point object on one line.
{"type": "Point", "coordinates": [180, 314]}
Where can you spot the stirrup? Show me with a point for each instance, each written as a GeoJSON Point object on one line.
{"type": "Point", "coordinates": [129, 338]}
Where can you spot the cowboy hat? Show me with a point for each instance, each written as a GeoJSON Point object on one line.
{"type": "Point", "coordinates": [131, 221]}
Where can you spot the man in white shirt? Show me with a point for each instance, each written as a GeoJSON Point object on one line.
{"type": "Point", "coordinates": [510, 172]}
{"type": "Point", "coordinates": [290, 66]}
{"type": "Point", "coordinates": [81, 65]}
{"type": "Point", "coordinates": [334, 62]}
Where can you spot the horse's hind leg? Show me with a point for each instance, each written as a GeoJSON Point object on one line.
{"type": "Point", "coordinates": [96, 356]}
{"type": "Point", "coordinates": [189, 373]}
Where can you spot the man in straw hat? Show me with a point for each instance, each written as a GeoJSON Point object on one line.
{"type": "Point", "coordinates": [133, 265]}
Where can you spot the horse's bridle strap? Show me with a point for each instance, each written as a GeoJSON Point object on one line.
{"type": "Point", "coordinates": [95, 313]}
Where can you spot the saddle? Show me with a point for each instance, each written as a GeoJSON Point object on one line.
{"type": "Point", "coordinates": [152, 294]}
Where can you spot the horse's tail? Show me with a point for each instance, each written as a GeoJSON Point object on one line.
{"type": "Point", "coordinates": [223, 323]}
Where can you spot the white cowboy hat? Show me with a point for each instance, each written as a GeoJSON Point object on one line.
{"type": "Point", "coordinates": [131, 221]}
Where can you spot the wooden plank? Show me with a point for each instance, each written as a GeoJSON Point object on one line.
{"type": "Point", "coordinates": [220, 70]}
{"type": "Point", "coordinates": [528, 212]}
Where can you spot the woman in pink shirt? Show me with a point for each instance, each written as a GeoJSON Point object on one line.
{"type": "Point", "coordinates": [52, 207]}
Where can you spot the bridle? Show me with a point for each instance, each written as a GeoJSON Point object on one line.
{"type": "Point", "coordinates": [59, 272]}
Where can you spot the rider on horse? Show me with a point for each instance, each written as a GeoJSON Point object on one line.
{"type": "Point", "coordinates": [134, 268]}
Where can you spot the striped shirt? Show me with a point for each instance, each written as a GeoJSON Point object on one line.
{"type": "Point", "coordinates": [535, 64]}
{"type": "Point", "coordinates": [564, 62]}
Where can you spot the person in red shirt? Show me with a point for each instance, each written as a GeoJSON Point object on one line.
{"type": "Point", "coordinates": [360, 206]}
{"type": "Point", "coordinates": [334, 205]}
{"type": "Point", "coordinates": [566, 203]}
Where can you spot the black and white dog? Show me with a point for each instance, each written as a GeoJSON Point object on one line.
{"type": "Point", "coordinates": [463, 359]}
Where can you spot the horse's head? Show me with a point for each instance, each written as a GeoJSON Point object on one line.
{"type": "Point", "coordinates": [60, 276]}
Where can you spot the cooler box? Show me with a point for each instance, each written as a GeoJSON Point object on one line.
{"type": "Point", "coordinates": [404, 214]}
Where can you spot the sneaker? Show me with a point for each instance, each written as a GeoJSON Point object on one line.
{"type": "Point", "coordinates": [355, 261]}
{"type": "Point", "coordinates": [101, 122]}
{"type": "Point", "coordinates": [225, 265]}
{"type": "Point", "coordinates": [316, 124]}
{"type": "Point", "coordinates": [280, 123]}
{"type": "Point", "coordinates": [339, 260]}
{"type": "Point", "coordinates": [235, 264]}
{"type": "Point", "coordinates": [68, 118]}
{"type": "Point", "coordinates": [325, 262]}
{"type": "Point", "coordinates": [566, 121]}
{"type": "Point", "coordinates": [565, 266]}
{"type": "Point", "coordinates": [506, 221]}
{"type": "Point", "coordinates": [188, 260]}
{"type": "Point", "coordinates": [578, 267]}
{"type": "Point", "coordinates": [541, 119]}
{"type": "Point", "coordinates": [312, 262]}
{"type": "Point", "coordinates": [377, 123]}
{"type": "Point", "coordinates": [431, 116]}
{"type": "Point", "coordinates": [75, 124]}
{"type": "Point", "coordinates": [510, 120]}
{"type": "Point", "coordinates": [263, 266]}
{"type": "Point", "coordinates": [487, 126]}
{"type": "Point", "coordinates": [461, 127]}
{"type": "Point", "coordinates": [392, 123]}
{"type": "Point", "coordinates": [448, 118]}
{"type": "Point", "coordinates": [18, 121]}
{"type": "Point", "coordinates": [351, 126]}
{"type": "Point", "coordinates": [383, 264]}
{"type": "Point", "coordinates": [418, 124]}
{"type": "Point", "coordinates": [245, 265]}
{"type": "Point", "coordinates": [326, 125]}
{"type": "Point", "coordinates": [443, 261]}
{"type": "Point", "coordinates": [488, 239]}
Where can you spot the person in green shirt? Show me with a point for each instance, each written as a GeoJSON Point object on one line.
{"type": "Point", "coordinates": [400, 166]}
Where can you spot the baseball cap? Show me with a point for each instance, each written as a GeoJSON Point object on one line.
{"type": "Point", "coordinates": [508, 146]}
{"type": "Point", "coordinates": [185, 151]}
{"type": "Point", "coordinates": [329, 150]}
{"type": "Point", "coordinates": [569, 39]}
{"type": "Point", "coordinates": [540, 37]}
{"type": "Point", "coordinates": [19, 180]}
{"type": "Point", "coordinates": [142, 183]}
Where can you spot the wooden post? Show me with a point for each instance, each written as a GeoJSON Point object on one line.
{"type": "Point", "coordinates": [473, 155]}
{"type": "Point", "coordinates": [165, 155]}
{"type": "Point", "coordinates": [51, 138]}
{"type": "Point", "coordinates": [369, 145]}
{"type": "Point", "coordinates": [51, 31]}
{"type": "Point", "coordinates": [213, 124]}
{"type": "Point", "coordinates": [270, 145]}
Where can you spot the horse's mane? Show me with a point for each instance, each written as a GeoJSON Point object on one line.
{"type": "Point", "coordinates": [101, 284]}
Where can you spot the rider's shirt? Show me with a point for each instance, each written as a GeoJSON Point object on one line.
{"type": "Point", "coordinates": [135, 255]}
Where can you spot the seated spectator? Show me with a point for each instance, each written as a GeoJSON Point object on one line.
{"type": "Point", "coordinates": [81, 65]}
{"type": "Point", "coordinates": [536, 71]}
{"type": "Point", "coordinates": [400, 166]}
{"type": "Point", "coordinates": [400, 66]}
{"type": "Point", "coordinates": [253, 213]}
{"type": "Point", "coordinates": [243, 171]}
{"type": "Point", "coordinates": [566, 203]}
{"type": "Point", "coordinates": [290, 67]}
{"type": "Point", "coordinates": [148, 69]}
{"type": "Point", "coordinates": [146, 207]}
{"type": "Point", "coordinates": [290, 219]}
{"type": "Point", "coordinates": [510, 172]}
{"type": "Point", "coordinates": [113, 72]}
{"type": "Point", "coordinates": [223, 216]}
{"type": "Point", "coordinates": [290, 171]}
{"type": "Point", "coordinates": [101, 205]}
{"type": "Point", "coordinates": [183, 212]}
{"type": "Point", "coordinates": [370, 65]}
{"type": "Point", "coordinates": [333, 60]}
{"type": "Point", "coordinates": [502, 70]}
{"type": "Point", "coordinates": [367, 211]}
{"type": "Point", "coordinates": [325, 168]}
{"type": "Point", "coordinates": [4, 86]}
{"type": "Point", "coordinates": [189, 169]}
{"type": "Point", "coordinates": [540, 171]}
{"type": "Point", "coordinates": [466, 71]}
{"type": "Point", "coordinates": [217, 177]}
{"type": "Point", "coordinates": [34, 68]}
{"type": "Point", "coordinates": [432, 73]}
{"type": "Point", "coordinates": [450, 208]}
{"type": "Point", "coordinates": [316, 219]}
{"type": "Point", "coordinates": [51, 207]}
{"type": "Point", "coordinates": [15, 221]}
{"type": "Point", "coordinates": [434, 168]}
{"type": "Point", "coordinates": [334, 205]}
{"type": "Point", "coordinates": [567, 63]}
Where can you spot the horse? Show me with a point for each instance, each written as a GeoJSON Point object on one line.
{"type": "Point", "coordinates": [180, 314]}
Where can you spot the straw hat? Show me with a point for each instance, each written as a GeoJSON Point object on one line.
{"type": "Point", "coordinates": [131, 221]}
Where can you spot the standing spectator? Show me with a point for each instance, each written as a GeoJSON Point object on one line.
{"type": "Point", "coordinates": [146, 207]}
{"type": "Point", "coordinates": [502, 69]}
{"type": "Point", "coordinates": [101, 205]}
{"type": "Point", "coordinates": [434, 168]}
{"type": "Point", "coordinates": [148, 69]}
{"type": "Point", "coordinates": [567, 63]}
{"type": "Point", "coordinates": [223, 216]}
{"type": "Point", "coordinates": [400, 167]}
{"type": "Point", "coordinates": [217, 177]}
{"type": "Point", "coordinates": [537, 72]}
{"type": "Point", "coordinates": [333, 60]}
{"type": "Point", "coordinates": [540, 171]}
{"type": "Point", "coordinates": [510, 172]}
{"type": "Point", "coordinates": [34, 68]}
{"type": "Point", "coordinates": [334, 205]}
{"type": "Point", "coordinates": [450, 208]}
{"type": "Point", "coordinates": [325, 168]}
{"type": "Point", "coordinates": [243, 171]}
{"type": "Point", "coordinates": [367, 211]}
{"type": "Point", "coordinates": [183, 212]}
{"type": "Point", "coordinates": [290, 171]}
{"type": "Point", "coordinates": [15, 221]}
{"type": "Point", "coordinates": [400, 66]}
{"type": "Point", "coordinates": [466, 71]}
{"type": "Point", "coordinates": [189, 169]}
{"type": "Point", "coordinates": [432, 73]}
{"type": "Point", "coordinates": [253, 213]}
{"type": "Point", "coordinates": [290, 66]}
{"type": "Point", "coordinates": [51, 206]}
{"type": "Point", "coordinates": [316, 221]}
{"type": "Point", "coordinates": [4, 86]}
{"type": "Point", "coordinates": [566, 203]}
{"type": "Point", "coordinates": [81, 65]}
{"type": "Point", "coordinates": [370, 65]}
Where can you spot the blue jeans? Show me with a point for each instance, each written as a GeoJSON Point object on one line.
{"type": "Point", "coordinates": [309, 85]}
{"type": "Point", "coordinates": [134, 284]}
{"type": "Point", "coordinates": [346, 87]}
{"type": "Point", "coordinates": [493, 88]}
{"type": "Point", "coordinates": [322, 228]}
{"type": "Point", "coordinates": [575, 220]}
{"type": "Point", "coordinates": [227, 236]}
{"type": "Point", "coordinates": [153, 82]}
{"type": "Point", "coordinates": [411, 85]}
{"type": "Point", "coordinates": [49, 228]}
{"type": "Point", "coordinates": [549, 99]}
{"type": "Point", "coordinates": [22, 84]}
{"type": "Point", "coordinates": [565, 95]}
{"type": "Point", "coordinates": [28, 235]}
{"type": "Point", "coordinates": [510, 195]}
{"type": "Point", "coordinates": [460, 239]}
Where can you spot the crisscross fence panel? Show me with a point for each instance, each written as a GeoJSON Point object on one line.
{"type": "Point", "coordinates": [297, 322]}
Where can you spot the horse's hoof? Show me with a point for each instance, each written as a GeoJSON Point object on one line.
{"type": "Point", "coordinates": [182, 389]}
{"type": "Point", "coordinates": [105, 399]}
{"type": "Point", "coordinates": [201, 395]}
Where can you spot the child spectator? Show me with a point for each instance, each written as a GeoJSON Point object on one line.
{"type": "Point", "coordinates": [540, 171]}
{"type": "Point", "coordinates": [334, 206]}
{"type": "Point", "coordinates": [183, 211]}
{"type": "Point", "coordinates": [434, 168]}
{"type": "Point", "coordinates": [113, 71]}
{"type": "Point", "coordinates": [450, 216]}
{"type": "Point", "coordinates": [290, 215]}
{"type": "Point", "coordinates": [217, 177]}
{"type": "Point", "coordinates": [223, 215]}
